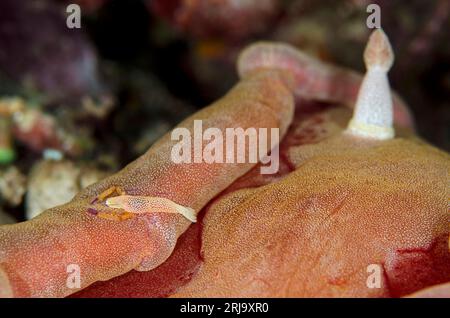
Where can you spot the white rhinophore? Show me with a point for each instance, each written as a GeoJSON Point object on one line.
{"type": "Point", "coordinates": [373, 114]}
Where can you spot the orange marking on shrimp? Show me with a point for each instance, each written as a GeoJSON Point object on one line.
{"type": "Point", "coordinates": [122, 216]}
{"type": "Point", "coordinates": [108, 192]}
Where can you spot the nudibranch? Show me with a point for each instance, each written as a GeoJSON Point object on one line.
{"type": "Point", "coordinates": [357, 197]}
{"type": "Point", "coordinates": [35, 255]}
{"type": "Point", "coordinates": [342, 201]}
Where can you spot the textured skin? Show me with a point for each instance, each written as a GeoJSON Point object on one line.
{"type": "Point", "coordinates": [337, 205]}
{"type": "Point", "coordinates": [348, 204]}
{"type": "Point", "coordinates": [159, 282]}
{"type": "Point", "coordinates": [35, 253]}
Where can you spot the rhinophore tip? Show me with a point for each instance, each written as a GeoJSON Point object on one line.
{"type": "Point", "coordinates": [378, 52]}
{"type": "Point", "coordinates": [373, 115]}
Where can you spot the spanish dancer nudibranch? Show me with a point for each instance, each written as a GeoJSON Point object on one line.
{"type": "Point", "coordinates": [353, 191]}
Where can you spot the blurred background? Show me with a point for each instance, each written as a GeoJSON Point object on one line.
{"type": "Point", "coordinates": [78, 104]}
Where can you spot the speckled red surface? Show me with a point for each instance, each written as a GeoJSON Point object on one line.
{"type": "Point", "coordinates": [404, 270]}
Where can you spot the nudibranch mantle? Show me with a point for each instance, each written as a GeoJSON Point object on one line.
{"type": "Point", "coordinates": [373, 115]}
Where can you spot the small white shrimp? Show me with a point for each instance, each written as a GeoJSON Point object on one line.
{"type": "Point", "coordinates": [129, 205]}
